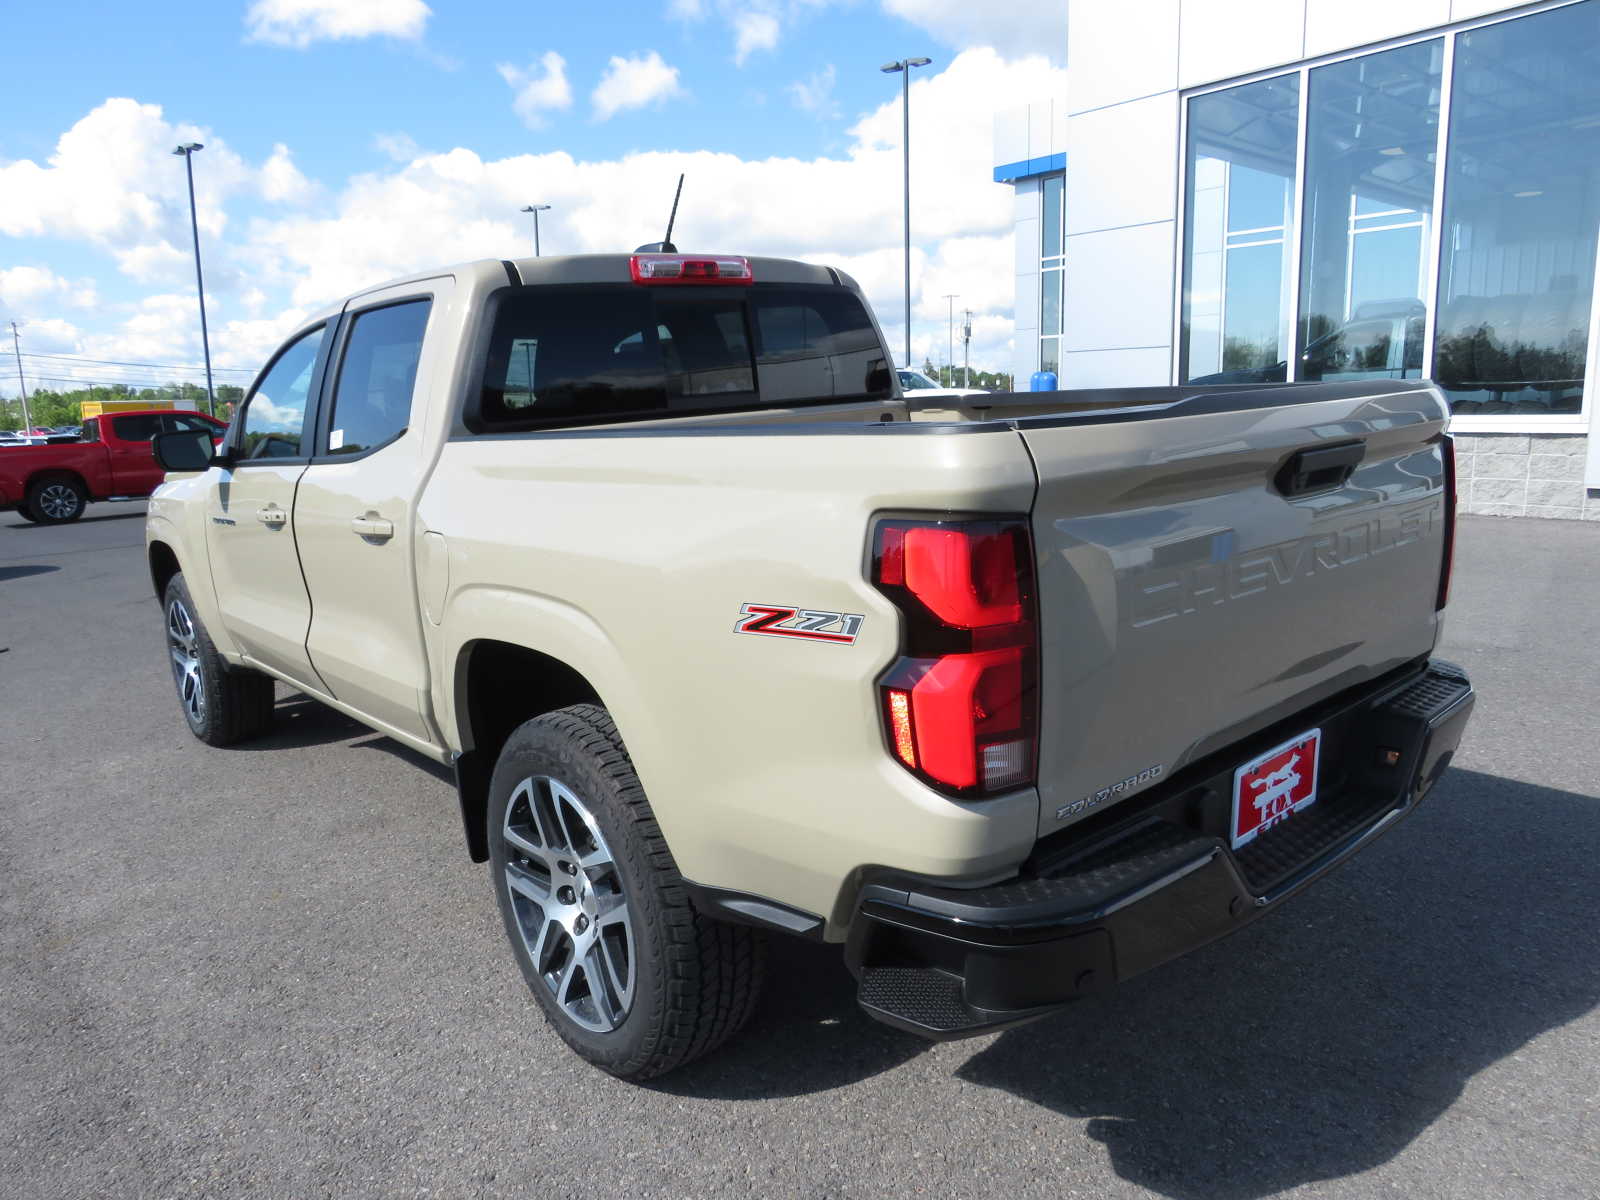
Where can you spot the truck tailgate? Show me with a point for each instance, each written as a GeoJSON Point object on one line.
{"type": "Point", "coordinates": [1203, 571]}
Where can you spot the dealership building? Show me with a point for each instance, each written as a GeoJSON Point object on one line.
{"type": "Point", "coordinates": [1266, 190]}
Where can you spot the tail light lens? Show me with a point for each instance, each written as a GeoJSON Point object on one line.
{"type": "Point", "coordinates": [960, 706]}
{"type": "Point", "coordinates": [1448, 448]}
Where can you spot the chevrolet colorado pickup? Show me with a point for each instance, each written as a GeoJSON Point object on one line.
{"type": "Point", "coordinates": [51, 484]}
{"type": "Point", "coordinates": [723, 635]}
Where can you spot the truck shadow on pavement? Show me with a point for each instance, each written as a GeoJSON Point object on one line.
{"type": "Point", "coordinates": [1323, 1040]}
{"type": "Point", "coordinates": [1318, 1043]}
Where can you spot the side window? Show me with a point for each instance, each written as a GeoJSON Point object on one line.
{"type": "Point", "coordinates": [183, 423]}
{"type": "Point", "coordinates": [139, 428]}
{"type": "Point", "coordinates": [275, 413]}
{"type": "Point", "coordinates": [372, 400]}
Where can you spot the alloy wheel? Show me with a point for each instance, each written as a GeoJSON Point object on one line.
{"type": "Point", "coordinates": [571, 910]}
{"type": "Point", "coordinates": [183, 644]}
{"type": "Point", "coordinates": [58, 501]}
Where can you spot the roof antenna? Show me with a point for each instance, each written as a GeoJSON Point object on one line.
{"type": "Point", "coordinates": [665, 246]}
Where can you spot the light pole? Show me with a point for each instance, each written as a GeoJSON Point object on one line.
{"type": "Point", "coordinates": [536, 209]}
{"type": "Point", "coordinates": [904, 66]}
{"type": "Point", "coordinates": [966, 348]}
{"type": "Point", "coordinates": [950, 351]}
{"type": "Point", "coordinates": [22, 384]}
{"type": "Point", "coordinates": [187, 149]}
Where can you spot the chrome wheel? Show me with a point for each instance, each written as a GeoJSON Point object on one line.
{"type": "Point", "coordinates": [569, 903]}
{"type": "Point", "coordinates": [59, 501]}
{"type": "Point", "coordinates": [183, 644]}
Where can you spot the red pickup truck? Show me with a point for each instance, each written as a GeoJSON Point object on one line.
{"type": "Point", "coordinates": [112, 460]}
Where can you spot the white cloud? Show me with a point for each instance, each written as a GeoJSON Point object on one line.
{"type": "Point", "coordinates": [281, 180]}
{"type": "Point", "coordinates": [634, 83]}
{"type": "Point", "coordinates": [33, 288]}
{"type": "Point", "coordinates": [539, 90]}
{"type": "Point", "coordinates": [753, 30]}
{"type": "Point", "coordinates": [401, 147]}
{"type": "Point", "coordinates": [815, 94]}
{"type": "Point", "coordinates": [1013, 27]}
{"type": "Point", "coordinates": [298, 23]}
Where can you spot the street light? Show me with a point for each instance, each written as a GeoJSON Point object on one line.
{"type": "Point", "coordinates": [187, 149]}
{"type": "Point", "coordinates": [536, 209]}
{"type": "Point", "coordinates": [904, 66]}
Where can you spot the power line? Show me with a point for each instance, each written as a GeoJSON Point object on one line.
{"type": "Point", "coordinates": [114, 362]}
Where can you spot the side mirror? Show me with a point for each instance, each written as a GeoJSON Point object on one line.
{"type": "Point", "coordinates": [183, 450]}
{"type": "Point", "coordinates": [879, 380]}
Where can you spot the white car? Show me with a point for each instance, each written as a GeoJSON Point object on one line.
{"type": "Point", "coordinates": [918, 386]}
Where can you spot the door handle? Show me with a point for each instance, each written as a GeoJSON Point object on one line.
{"type": "Point", "coordinates": [272, 516]}
{"type": "Point", "coordinates": [373, 527]}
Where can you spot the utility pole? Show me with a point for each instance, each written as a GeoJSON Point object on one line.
{"type": "Point", "coordinates": [904, 67]}
{"type": "Point", "coordinates": [27, 421]}
{"type": "Point", "coordinates": [187, 150]}
{"type": "Point", "coordinates": [950, 331]}
{"type": "Point", "coordinates": [966, 347]}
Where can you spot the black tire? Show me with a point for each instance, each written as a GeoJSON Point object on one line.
{"type": "Point", "coordinates": [55, 500]}
{"type": "Point", "coordinates": [22, 511]}
{"type": "Point", "coordinates": [231, 704]}
{"type": "Point", "coordinates": [693, 981]}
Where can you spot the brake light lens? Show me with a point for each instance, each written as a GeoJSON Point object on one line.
{"type": "Point", "coordinates": [690, 269]}
{"type": "Point", "coordinates": [1447, 566]}
{"type": "Point", "coordinates": [960, 705]}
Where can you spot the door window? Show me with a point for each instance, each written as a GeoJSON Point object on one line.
{"type": "Point", "coordinates": [138, 428]}
{"type": "Point", "coordinates": [372, 401]}
{"type": "Point", "coordinates": [275, 413]}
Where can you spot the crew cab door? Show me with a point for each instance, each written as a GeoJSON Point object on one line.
{"type": "Point", "coordinates": [249, 535]}
{"type": "Point", "coordinates": [353, 514]}
{"type": "Point", "coordinates": [134, 470]}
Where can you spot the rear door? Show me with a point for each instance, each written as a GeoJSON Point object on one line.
{"type": "Point", "coordinates": [1198, 582]}
{"type": "Point", "coordinates": [354, 512]}
{"type": "Point", "coordinates": [134, 470]}
{"type": "Point", "coordinates": [254, 562]}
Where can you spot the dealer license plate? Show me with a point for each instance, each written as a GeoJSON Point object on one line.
{"type": "Point", "coordinates": [1273, 787]}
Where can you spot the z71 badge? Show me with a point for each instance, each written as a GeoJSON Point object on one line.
{"type": "Point", "coordinates": [812, 624]}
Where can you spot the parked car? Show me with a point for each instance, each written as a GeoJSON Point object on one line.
{"type": "Point", "coordinates": [110, 459]}
{"type": "Point", "coordinates": [918, 386]}
{"type": "Point", "coordinates": [722, 636]}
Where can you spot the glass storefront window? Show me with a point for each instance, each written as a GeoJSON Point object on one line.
{"type": "Point", "coordinates": [1050, 226]}
{"type": "Point", "coordinates": [1371, 141]}
{"type": "Point", "coordinates": [1521, 210]}
{"type": "Point", "coordinates": [1238, 227]}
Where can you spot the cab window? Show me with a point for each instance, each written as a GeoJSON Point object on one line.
{"type": "Point", "coordinates": [275, 413]}
{"type": "Point", "coordinates": [372, 401]}
{"type": "Point", "coordinates": [140, 427]}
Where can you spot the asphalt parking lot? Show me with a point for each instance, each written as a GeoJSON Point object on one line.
{"type": "Point", "coordinates": [272, 971]}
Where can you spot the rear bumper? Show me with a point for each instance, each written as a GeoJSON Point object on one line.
{"type": "Point", "coordinates": [1101, 904]}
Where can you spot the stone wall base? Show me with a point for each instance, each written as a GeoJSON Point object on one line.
{"type": "Point", "coordinates": [1525, 475]}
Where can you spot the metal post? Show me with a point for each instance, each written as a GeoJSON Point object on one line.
{"type": "Point", "coordinates": [950, 337]}
{"type": "Point", "coordinates": [966, 347]}
{"type": "Point", "coordinates": [905, 150]}
{"type": "Point", "coordinates": [535, 209]}
{"type": "Point", "coordinates": [27, 421]}
{"type": "Point", "coordinates": [187, 150]}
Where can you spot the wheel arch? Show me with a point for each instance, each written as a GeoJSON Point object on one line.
{"type": "Point", "coordinates": [49, 474]}
{"type": "Point", "coordinates": [498, 685]}
{"type": "Point", "coordinates": [163, 561]}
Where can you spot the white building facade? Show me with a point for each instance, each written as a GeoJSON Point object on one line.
{"type": "Point", "coordinates": [1262, 190]}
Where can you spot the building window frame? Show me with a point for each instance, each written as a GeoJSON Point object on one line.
{"type": "Point", "coordinates": [1050, 339]}
{"type": "Point", "coordinates": [1572, 423]}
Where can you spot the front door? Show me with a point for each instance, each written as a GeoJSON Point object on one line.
{"type": "Point", "coordinates": [249, 529]}
{"type": "Point", "coordinates": [354, 511]}
{"type": "Point", "coordinates": [134, 470]}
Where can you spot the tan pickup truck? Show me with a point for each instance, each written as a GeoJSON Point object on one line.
{"type": "Point", "coordinates": [724, 635]}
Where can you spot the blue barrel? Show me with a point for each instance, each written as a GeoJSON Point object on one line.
{"type": "Point", "coordinates": [1043, 381]}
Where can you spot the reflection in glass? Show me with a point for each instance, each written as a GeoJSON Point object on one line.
{"type": "Point", "coordinates": [1050, 227]}
{"type": "Point", "coordinates": [1238, 218]}
{"type": "Point", "coordinates": [1521, 208]}
{"type": "Point", "coordinates": [1373, 128]}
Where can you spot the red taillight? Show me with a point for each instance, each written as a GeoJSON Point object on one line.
{"type": "Point", "coordinates": [960, 705]}
{"type": "Point", "coordinates": [1448, 448]}
{"type": "Point", "coordinates": [690, 268]}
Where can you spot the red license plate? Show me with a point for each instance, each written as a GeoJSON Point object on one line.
{"type": "Point", "coordinates": [1274, 786]}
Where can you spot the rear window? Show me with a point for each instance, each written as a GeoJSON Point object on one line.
{"type": "Point", "coordinates": [138, 428]}
{"type": "Point", "coordinates": [586, 355]}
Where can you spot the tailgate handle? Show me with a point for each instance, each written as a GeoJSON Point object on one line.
{"type": "Point", "coordinates": [1319, 469]}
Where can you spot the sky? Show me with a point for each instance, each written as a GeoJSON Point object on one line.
{"type": "Point", "coordinates": [351, 141]}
